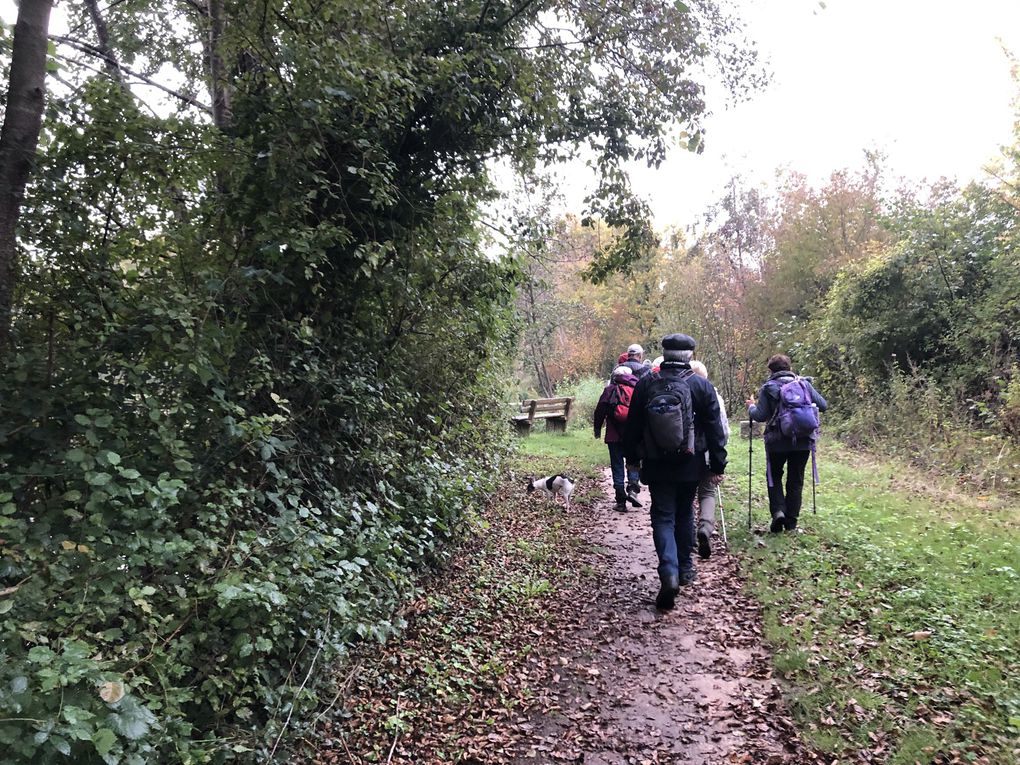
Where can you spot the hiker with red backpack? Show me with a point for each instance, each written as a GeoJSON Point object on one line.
{"type": "Point", "coordinates": [612, 411]}
{"type": "Point", "coordinates": [789, 405]}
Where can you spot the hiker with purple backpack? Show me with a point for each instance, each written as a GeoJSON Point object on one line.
{"type": "Point", "coordinates": [789, 405]}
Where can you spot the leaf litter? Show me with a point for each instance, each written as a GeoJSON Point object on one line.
{"type": "Point", "coordinates": [540, 643]}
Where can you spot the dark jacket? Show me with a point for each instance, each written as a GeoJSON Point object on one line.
{"type": "Point", "coordinates": [708, 430]}
{"type": "Point", "coordinates": [640, 368]}
{"type": "Point", "coordinates": [768, 403]}
{"type": "Point", "coordinates": [603, 410]}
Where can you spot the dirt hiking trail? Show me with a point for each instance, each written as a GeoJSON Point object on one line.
{"type": "Point", "coordinates": [692, 685]}
{"type": "Point", "coordinates": [498, 666]}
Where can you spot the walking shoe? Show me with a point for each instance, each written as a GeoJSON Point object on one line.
{"type": "Point", "coordinates": [688, 577]}
{"type": "Point", "coordinates": [666, 598]}
{"type": "Point", "coordinates": [633, 490]}
{"type": "Point", "coordinates": [778, 523]}
{"type": "Point", "coordinates": [704, 546]}
{"type": "Point", "coordinates": [621, 500]}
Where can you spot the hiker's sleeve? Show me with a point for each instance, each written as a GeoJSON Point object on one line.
{"type": "Point", "coordinates": [724, 418]}
{"type": "Point", "coordinates": [818, 400]}
{"type": "Point", "coordinates": [761, 411]}
{"type": "Point", "coordinates": [600, 412]}
{"type": "Point", "coordinates": [711, 424]}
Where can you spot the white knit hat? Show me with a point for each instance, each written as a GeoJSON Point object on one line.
{"type": "Point", "coordinates": [621, 370]}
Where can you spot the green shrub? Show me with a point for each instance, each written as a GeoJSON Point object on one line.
{"type": "Point", "coordinates": [935, 427]}
{"type": "Point", "coordinates": [586, 392]}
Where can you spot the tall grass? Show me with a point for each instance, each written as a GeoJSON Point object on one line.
{"type": "Point", "coordinates": [937, 430]}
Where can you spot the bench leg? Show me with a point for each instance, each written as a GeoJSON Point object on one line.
{"type": "Point", "coordinates": [522, 427]}
{"type": "Point", "coordinates": [556, 424]}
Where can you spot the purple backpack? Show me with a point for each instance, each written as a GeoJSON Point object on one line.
{"type": "Point", "coordinates": [797, 416]}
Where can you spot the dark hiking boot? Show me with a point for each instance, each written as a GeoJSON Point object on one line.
{"type": "Point", "coordinates": [778, 523]}
{"type": "Point", "coordinates": [666, 598]}
{"type": "Point", "coordinates": [688, 577]}
{"type": "Point", "coordinates": [621, 501]}
{"type": "Point", "coordinates": [704, 546]}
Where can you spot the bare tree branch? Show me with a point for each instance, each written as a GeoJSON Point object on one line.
{"type": "Point", "coordinates": [91, 50]}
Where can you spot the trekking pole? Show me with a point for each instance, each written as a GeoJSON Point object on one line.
{"type": "Point", "coordinates": [814, 481]}
{"type": "Point", "coordinates": [814, 467]}
{"type": "Point", "coordinates": [750, 457]}
{"type": "Point", "coordinates": [722, 515]}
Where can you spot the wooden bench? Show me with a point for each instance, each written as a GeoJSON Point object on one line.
{"type": "Point", "coordinates": [555, 412]}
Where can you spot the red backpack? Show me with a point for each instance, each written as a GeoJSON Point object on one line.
{"type": "Point", "coordinates": [621, 402]}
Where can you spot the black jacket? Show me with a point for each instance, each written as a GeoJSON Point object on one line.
{"type": "Point", "coordinates": [708, 430]}
{"type": "Point", "coordinates": [640, 369]}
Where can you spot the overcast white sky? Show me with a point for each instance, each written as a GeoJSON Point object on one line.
{"type": "Point", "coordinates": [924, 81]}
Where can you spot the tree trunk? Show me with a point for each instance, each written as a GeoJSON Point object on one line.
{"type": "Point", "coordinates": [19, 139]}
{"type": "Point", "coordinates": [219, 82]}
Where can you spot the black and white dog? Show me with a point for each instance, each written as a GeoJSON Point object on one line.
{"type": "Point", "coordinates": [553, 486]}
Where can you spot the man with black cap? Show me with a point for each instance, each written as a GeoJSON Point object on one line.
{"type": "Point", "coordinates": [674, 422]}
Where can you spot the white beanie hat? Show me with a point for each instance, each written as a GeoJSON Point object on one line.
{"type": "Point", "coordinates": [622, 370]}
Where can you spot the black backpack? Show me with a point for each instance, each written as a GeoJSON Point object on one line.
{"type": "Point", "coordinates": [669, 418]}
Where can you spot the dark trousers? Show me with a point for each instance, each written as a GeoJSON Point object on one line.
{"type": "Point", "coordinates": [788, 503]}
{"type": "Point", "coordinates": [617, 461]}
{"type": "Point", "coordinates": [672, 515]}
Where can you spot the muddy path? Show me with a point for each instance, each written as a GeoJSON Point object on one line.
{"type": "Point", "coordinates": [542, 644]}
{"type": "Point", "coordinates": [692, 685]}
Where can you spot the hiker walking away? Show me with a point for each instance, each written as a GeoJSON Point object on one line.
{"type": "Point", "coordinates": [707, 486]}
{"type": "Point", "coordinates": [635, 354]}
{"type": "Point", "coordinates": [612, 411]}
{"type": "Point", "coordinates": [788, 405]}
{"type": "Point", "coordinates": [674, 423]}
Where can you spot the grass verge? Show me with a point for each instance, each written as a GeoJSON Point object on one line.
{"type": "Point", "coordinates": [895, 619]}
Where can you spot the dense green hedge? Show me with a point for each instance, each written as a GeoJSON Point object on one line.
{"type": "Point", "coordinates": [204, 522]}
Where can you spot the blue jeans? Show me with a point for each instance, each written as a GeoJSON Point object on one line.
{"type": "Point", "coordinates": [673, 526]}
{"type": "Point", "coordinates": [622, 473]}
